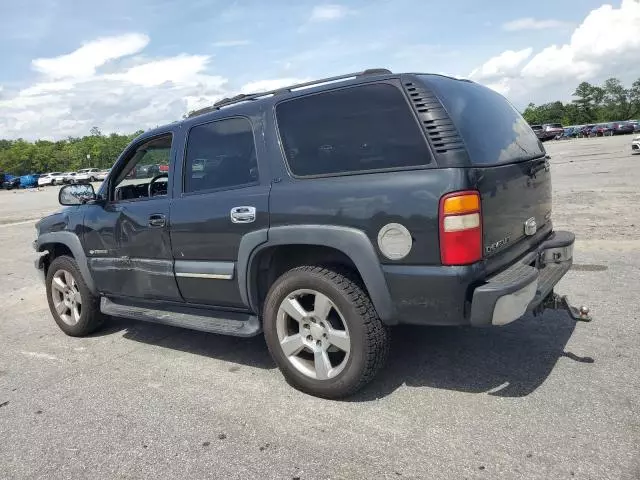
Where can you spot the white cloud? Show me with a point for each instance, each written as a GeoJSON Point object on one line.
{"type": "Point", "coordinates": [323, 13]}
{"type": "Point", "coordinates": [530, 23]}
{"type": "Point", "coordinates": [179, 69]}
{"type": "Point", "coordinates": [47, 87]}
{"type": "Point", "coordinates": [230, 43]}
{"type": "Point", "coordinates": [71, 96]}
{"type": "Point", "coordinates": [85, 60]}
{"type": "Point", "coordinates": [504, 65]}
{"type": "Point", "coordinates": [605, 44]}
{"type": "Point", "coordinates": [266, 85]}
{"type": "Point", "coordinates": [123, 99]}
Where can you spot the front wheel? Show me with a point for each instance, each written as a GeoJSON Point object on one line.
{"type": "Point", "coordinates": [323, 332]}
{"type": "Point", "coordinates": [74, 308]}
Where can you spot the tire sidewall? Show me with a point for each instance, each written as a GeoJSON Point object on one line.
{"type": "Point", "coordinates": [353, 370]}
{"type": "Point", "coordinates": [87, 316]}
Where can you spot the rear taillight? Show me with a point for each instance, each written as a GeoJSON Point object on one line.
{"type": "Point", "coordinates": [460, 228]}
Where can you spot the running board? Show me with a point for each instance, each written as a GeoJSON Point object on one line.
{"type": "Point", "coordinates": [225, 323]}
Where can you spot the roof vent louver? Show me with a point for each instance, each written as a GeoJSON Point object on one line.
{"type": "Point", "coordinates": [436, 123]}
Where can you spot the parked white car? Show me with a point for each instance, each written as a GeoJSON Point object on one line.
{"type": "Point", "coordinates": [69, 177]}
{"type": "Point", "coordinates": [46, 179]}
{"type": "Point", "coordinates": [102, 174]}
{"type": "Point", "coordinates": [87, 175]}
{"type": "Point", "coordinates": [53, 178]}
{"type": "Point", "coordinates": [635, 145]}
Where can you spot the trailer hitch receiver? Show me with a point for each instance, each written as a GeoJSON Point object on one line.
{"type": "Point", "coordinates": [558, 302]}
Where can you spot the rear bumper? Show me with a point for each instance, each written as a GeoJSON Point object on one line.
{"type": "Point", "coordinates": [466, 295]}
{"type": "Point", "coordinates": [507, 296]}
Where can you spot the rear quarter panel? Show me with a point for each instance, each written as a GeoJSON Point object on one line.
{"type": "Point", "coordinates": [368, 202]}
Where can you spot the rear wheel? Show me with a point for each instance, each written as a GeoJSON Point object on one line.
{"type": "Point", "coordinates": [74, 308]}
{"type": "Point", "coordinates": [323, 332]}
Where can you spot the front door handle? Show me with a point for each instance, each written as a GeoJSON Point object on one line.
{"type": "Point", "coordinates": [157, 220]}
{"type": "Point", "coordinates": [243, 214]}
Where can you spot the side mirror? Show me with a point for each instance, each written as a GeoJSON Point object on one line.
{"type": "Point", "coordinates": [77, 194]}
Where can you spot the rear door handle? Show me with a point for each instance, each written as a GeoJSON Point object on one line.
{"type": "Point", "coordinates": [243, 214]}
{"type": "Point", "coordinates": [157, 220]}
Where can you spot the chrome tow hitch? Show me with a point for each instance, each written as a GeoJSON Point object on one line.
{"type": "Point", "coordinates": [558, 302]}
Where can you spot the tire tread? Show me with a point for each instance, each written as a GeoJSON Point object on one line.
{"type": "Point", "coordinates": [376, 342]}
{"type": "Point", "coordinates": [94, 317]}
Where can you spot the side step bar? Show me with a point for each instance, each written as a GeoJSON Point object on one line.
{"type": "Point", "coordinates": [225, 323]}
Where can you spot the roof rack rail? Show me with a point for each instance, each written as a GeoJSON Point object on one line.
{"type": "Point", "coordinates": [255, 96]}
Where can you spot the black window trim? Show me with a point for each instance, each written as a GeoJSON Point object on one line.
{"type": "Point", "coordinates": [394, 82]}
{"type": "Point", "coordinates": [183, 193]}
{"type": "Point", "coordinates": [133, 148]}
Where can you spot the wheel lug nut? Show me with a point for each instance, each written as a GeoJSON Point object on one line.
{"type": "Point", "coordinates": [318, 343]}
{"type": "Point", "coordinates": [324, 335]}
{"type": "Point", "coordinates": [310, 338]}
{"type": "Point", "coordinates": [306, 325]}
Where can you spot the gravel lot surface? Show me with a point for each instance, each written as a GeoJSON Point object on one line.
{"type": "Point", "coordinates": [541, 398]}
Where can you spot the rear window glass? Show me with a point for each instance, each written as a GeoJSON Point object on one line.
{"type": "Point", "coordinates": [354, 129]}
{"type": "Point", "coordinates": [492, 129]}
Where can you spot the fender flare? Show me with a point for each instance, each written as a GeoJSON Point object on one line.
{"type": "Point", "coordinates": [72, 242]}
{"type": "Point", "coordinates": [352, 242]}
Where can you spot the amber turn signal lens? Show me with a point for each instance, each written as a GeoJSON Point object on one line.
{"type": "Point", "coordinates": [461, 204]}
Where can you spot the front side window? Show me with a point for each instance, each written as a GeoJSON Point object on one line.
{"type": "Point", "coordinates": [146, 174]}
{"type": "Point", "coordinates": [356, 129]}
{"type": "Point", "coordinates": [220, 155]}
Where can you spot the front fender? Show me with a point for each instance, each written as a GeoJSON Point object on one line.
{"type": "Point", "coordinates": [72, 242]}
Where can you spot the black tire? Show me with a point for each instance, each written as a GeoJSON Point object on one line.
{"type": "Point", "coordinates": [369, 337]}
{"type": "Point", "coordinates": [92, 179]}
{"type": "Point", "coordinates": [90, 316]}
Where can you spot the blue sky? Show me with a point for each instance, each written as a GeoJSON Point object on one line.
{"type": "Point", "coordinates": [145, 62]}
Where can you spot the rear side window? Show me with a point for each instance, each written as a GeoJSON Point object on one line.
{"type": "Point", "coordinates": [220, 155]}
{"type": "Point", "coordinates": [356, 129]}
{"type": "Point", "coordinates": [491, 128]}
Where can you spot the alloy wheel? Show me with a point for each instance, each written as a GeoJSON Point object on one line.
{"type": "Point", "coordinates": [313, 334]}
{"type": "Point", "coordinates": [66, 296]}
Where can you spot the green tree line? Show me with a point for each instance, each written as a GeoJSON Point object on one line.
{"type": "Point", "coordinates": [608, 102]}
{"type": "Point", "coordinates": [20, 157]}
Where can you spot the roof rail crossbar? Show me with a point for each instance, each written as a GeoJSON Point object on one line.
{"type": "Point", "coordinates": [254, 96]}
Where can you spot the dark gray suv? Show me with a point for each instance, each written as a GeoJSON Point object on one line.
{"type": "Point", "coordinates": [322, 215]}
